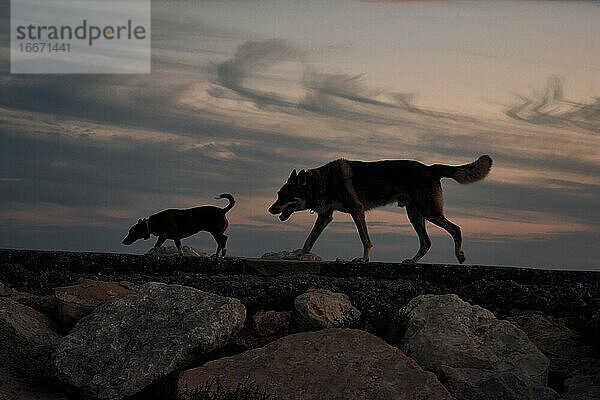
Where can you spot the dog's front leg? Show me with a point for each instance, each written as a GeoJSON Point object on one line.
{"type": "Point", "coordinates": [323, 219]}
{"type": "Point", "coordinates": [358, 215]}
{"type": "Point", "coordinates": [159, 242]}
{"type": "Point", "coordinates": [178, 244]}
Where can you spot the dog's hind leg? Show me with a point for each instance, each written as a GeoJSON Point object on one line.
{"type": "Point", "coordinates": [322, 221]}
{"type": "Point", "coordinates": [418, 222]}
{"type": "Point", "coordinates": [221, 242]}
{"type": "Point", "coordinates": [454, 231]}
{"type": "Point", "coordinates": [430, 203]}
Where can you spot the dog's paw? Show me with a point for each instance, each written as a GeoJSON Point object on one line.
{"type": "Point", "coordinates": [409, 261]}
{"type": "Point", "coordinates": [360, 260]}
{"type": "Point", "coordinates": [461, 257]}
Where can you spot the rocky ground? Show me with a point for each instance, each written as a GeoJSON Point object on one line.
{"type": "Point", "coordinates": [557, 310]}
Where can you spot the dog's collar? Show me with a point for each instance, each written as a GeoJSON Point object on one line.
{"type": "Point", "coordinates": [147, 230]}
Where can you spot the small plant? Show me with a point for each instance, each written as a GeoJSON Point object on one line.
{"type": "Point", "coordinates": [387, 321]}
{"type": "Point", "coordinates": [213, 390]}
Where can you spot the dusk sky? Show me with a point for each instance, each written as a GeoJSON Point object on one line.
{"type": "Point", "coordinates": [242, 92]}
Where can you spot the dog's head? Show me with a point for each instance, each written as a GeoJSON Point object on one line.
{"type": "Point", "coordinates": [291, 197]}
{"type": "Point", "coordinates": [138, 231]}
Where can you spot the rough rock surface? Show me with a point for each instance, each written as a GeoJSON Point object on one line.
{"type": "Point", "coordinates": [291, 255]}
{"type": "Point", "coordinates": [170, 251]}
{"type": "Point", "coordinates": [128, 343]}
{"type": "Point", "coordinates": [560, 344]}
{"type": "Point", "coordinates": [446, 332]}
{"type": "Point", "coordinates": [479, 384]}
{"type": "Point", "coordinates": [76, 301]}
{"type": "Point", "coordinates": [583, 387]}
{"type": "Point", "coordinates": [327, 364]}
{"type": "Point", "coordinates": [44, 304]}
{"type": "Point", "coordinates": [319, 308]}
{"type": "Point", "coordinates": [27, 338]}
{"type": "Point", "coordinates": [269, 323]}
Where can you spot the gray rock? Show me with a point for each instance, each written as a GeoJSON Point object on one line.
{"type": "Point", "coordinates": [28, 337]}
{"type": "Point", "coordinates": [583, 387]}
{"type": "Point", "coordinates": [447, 334]}
{"type": "Point", "coordinates": [479, 384]}
{"type": "Point", "coordinates": [76, 301]}
{"type": "Point", "coordinates": [327, 364]}
{"type": "Point", "coordinates": [128, 343]}
{"type": "Point", "coordinates": [320, 308]}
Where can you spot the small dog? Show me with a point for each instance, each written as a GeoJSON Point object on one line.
{"type": "Point", "coordinates": [355, 186]}
{"type": "Point", "coordinates": [178, 224]}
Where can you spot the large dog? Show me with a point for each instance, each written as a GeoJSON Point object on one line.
{"type": "Point", "coordinates": [178, 224]}
{"type": "Point", "coordinates": [355, 186]}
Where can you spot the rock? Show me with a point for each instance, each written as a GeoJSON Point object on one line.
{"type": "Point", "coordinates": [44, 304]}
{"type": "Point", "coordinates": [128, 343]}
{"type": "Point", "coordinates": [319, 308]}
{"type": "Point", "coordinates": [75, 302]}
{"type": "Point", "coordinates": [269, 323]}
{"type": "Point", "coordinates": [559, 343]}
{"type": "Point", "coordinates": [267, 326]}
{"type": "Point", "coordinates": [446, 332]}
{"type": "Point", "coordinates": [28, 337]}
{"type": "Point", "coordinates": [328, 364]}
{"type": "Point", "coordinates": [291, 255]}
{"type": "Point", "coordinates": [583, 387]}
{"type": "Point", "coordinates": [478, 384]}
{"type": "Point", "coordinates": [170, 251]}
{"type": "Point", "coordinates": [26, 331]}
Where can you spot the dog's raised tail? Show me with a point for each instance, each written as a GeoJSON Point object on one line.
{"type": "Point", "coordinates": [467, 173]}
{"type": "Point", "coordinates": [228, 197]}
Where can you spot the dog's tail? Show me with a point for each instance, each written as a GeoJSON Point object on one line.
{"type": "Point", "coordinates": [467, 173]}
{"type": "Point", "coordinates": [228, 197]}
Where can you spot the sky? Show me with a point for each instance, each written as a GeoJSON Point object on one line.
{"type": "Point", "coordinates": [242, 92]}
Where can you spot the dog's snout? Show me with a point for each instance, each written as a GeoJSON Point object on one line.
{"type": "Point", "coordinates": [273, 209]}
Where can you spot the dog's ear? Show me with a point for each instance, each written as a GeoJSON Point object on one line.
{"type": "Point", "coordinates": [293, 176]}
{"type": "Point", "coordinates": [302, 178]}
{"type": "Point", "coordinates": [140, 221]}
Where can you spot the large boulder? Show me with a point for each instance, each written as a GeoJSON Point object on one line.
{"type": "Point", "coordinates": [320, 308]}
{"type": "Point", "coordinates": [467, 345]}
{"type": "Point", "coordinates": [76, 301]}
{"type": "Point", "coordinates": [327, 364]}
{"type": "Point", "coordinates": [28, 337]}
{"type": "Point", "coordinates": [560, 344]}
{"type": "Point", "coordinates": [481, 384]}
{"type": "Point", "coordinates": [130, 342]}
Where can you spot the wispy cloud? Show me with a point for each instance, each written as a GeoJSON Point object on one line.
{"type": "Point", "coordinates": [551, 107]}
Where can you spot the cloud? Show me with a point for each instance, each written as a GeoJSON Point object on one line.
{"type": "Point", "coordinates": [103, 151]}
{"type": "Point", "coordinates": [550, 107]}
